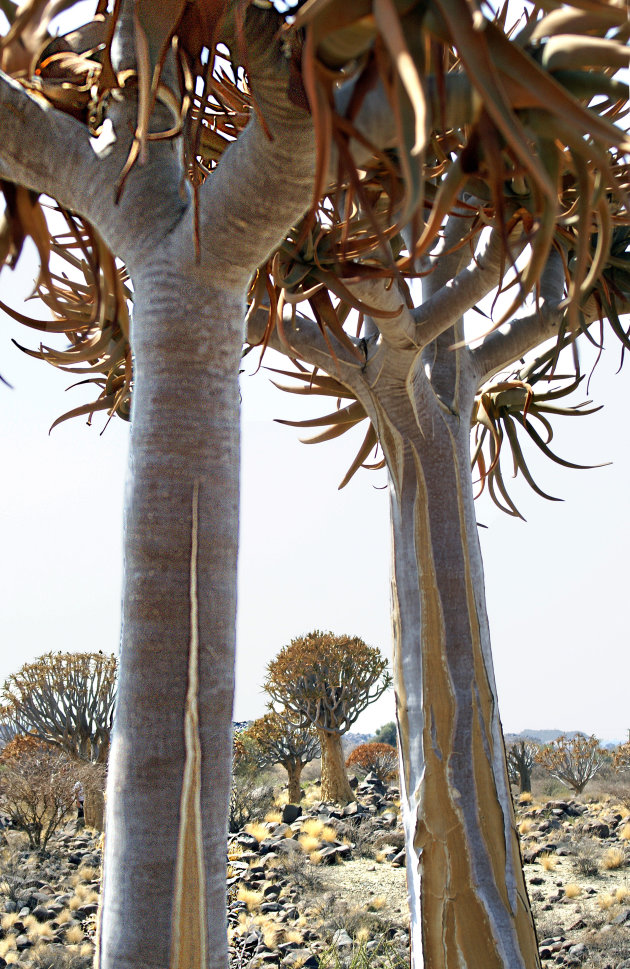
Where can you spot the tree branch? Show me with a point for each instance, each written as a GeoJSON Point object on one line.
{"type": "Point", "coordinates": [305, 341]}
{"type": "Point", "coordinates": [44, 149]}
{"type": "Point", "coordinates": [509, 343]}
{"type": "Point", "coordinates": [461, 293]}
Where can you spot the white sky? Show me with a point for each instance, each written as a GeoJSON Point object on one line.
{"type": "Point", "coordinates": [315, 557]}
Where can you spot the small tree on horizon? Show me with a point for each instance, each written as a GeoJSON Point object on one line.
{"type": "Point", "coordinates": [276, 740]}
{"type": "Point", "coordinates": [327, 681]}
{"type": "Point", "coordinates": [520, 760]}
{"type": "Point", "coordinates": [574, 761]}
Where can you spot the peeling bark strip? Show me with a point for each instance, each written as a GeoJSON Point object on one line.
{"type": "Point", "coordinates": [188, 942]}
{"type": "Point", "coordinates": [467, 895]}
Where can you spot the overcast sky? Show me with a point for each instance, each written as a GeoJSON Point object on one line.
{"type": "Point", "coordinates": [314, 557]}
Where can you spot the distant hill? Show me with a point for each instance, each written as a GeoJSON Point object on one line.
{"type": "Point", "coordinates": [544, 736]}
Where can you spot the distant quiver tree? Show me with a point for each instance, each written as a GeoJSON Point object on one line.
{"type": "Point", "coordinates": [621, 757]}
{"type": "Point", "coordinates": [573, 760]}
{"type": "Point", "coordinates": [274, 739]}
{"type": "Point", "coordinates": [520, 759]}
{"type": "Point", "coordinates": [328, 680]}
{"type": "Point", "coordinates": [66, 700]}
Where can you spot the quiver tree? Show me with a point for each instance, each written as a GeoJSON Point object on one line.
{"type": "Point", "coordinates": [573, 760]}
{"type": "Point", "coordinates": [276, 740]}
{"type": "Point", "coordinates": [363, 145]}
{"type": "Point", "coordinates": [67, 701]}
{"type": "Point", "coordinates": [326, 681]}
{"type": "Point", "coordinates": [521, 755]}
{"type": "Point", "coordinates": [621, 757]}
{"type": "Point", "coordinates": [374, 758]}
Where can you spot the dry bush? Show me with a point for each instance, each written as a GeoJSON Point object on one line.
{"type": "Point", "coordinates": [374, 758]}
{"type": "Point", "coordinates": [587, 860]}
{"type": "Point", "coordinates": [36, 788]}
{"type": "Point", "coordinates": [248, 802]}
{"type": "Point", "coordinates": [302, 875]}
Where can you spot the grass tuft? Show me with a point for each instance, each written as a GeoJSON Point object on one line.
{"type": "Point", "coordinates": [613, 858]}
{"type": "Point", "coordinates": [573, 890]}
{"type": "Point", "coordinates": [258, 830]}
{"type": "Point", "coordinates": [548, 862]}
{"type": "Point", "coordinates": [252, 899]}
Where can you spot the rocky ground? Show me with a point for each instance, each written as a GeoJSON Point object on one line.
{"type": "Point", "coordinates": [325, 887]}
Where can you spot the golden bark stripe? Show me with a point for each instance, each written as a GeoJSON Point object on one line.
{"type": "Point", "coordinates": [189, 927]}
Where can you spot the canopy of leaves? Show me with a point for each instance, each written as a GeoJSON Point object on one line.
{"type": "Point", "coordinates": [327, 680]}
{"type": "Point", "coordinates": [66, 700]}
{"type": "Point", "coordinates": [275, 740]}
{"type": "Point", "coordinates": [573, 760]}
{"type": "Point", "coordinates": [387, 734]}
{"type": "Point", "coordinates": [376, 758]}
{"type": "Point", "coordinates": [520, 119]}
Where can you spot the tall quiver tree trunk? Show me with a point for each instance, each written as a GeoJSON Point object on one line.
{"type": "Point", "coordinates": [469, 905]}
{"type": "Point", "coordinates": [335, 784]}
{"type": "Point", "coordinates": [294, 770]}
{"type": "Point", "coordinates": [175, 699]}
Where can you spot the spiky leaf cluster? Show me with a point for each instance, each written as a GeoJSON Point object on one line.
{"type": "Point", "coordinates": [66, 700]}
{"type": "Point", "coordinates": [326, 680]}
{"type": "Point", "coordinates": [521, 118]}
{"type": "Point", "coordinates": [573, 760]}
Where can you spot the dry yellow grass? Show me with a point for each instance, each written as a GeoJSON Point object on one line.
{"type": "Point", "coordinates": [622, 893]}
{"type": "Point", "coordinates": [377, 904]}
{"type": "Point", "coordinates": [573, 890]}
{"type": "Point", "coordinates": [235, 851]}
{"type": "Point", "coordinates": [258, 830]}
{"type": "Point", "coordinates": [525, 826]}
{"type": "Point", "coordinates": [38, 931]}
{"type": "Point", "coordinates": [525, 798]}
{"type": "Point", "coordinates": [613, 858]}
{"type": "Point", "coordinates": [363, 934]}
{"type": "Point", "coordinates": [313, 826]}
{"type": "Point", "coordinates": [606, 901]}
{"type": "Point", "coordinates": [548, 862]}
{"type": "Point", "coordinates": [7, 946]}
{"type": "Point", "coordinates": [293, 935]}
{"type": "Point", "coordinates": [74, 935]}
{"type": "Point", "coordinates": [273, 817]}
{"type": "Point", "coordinates": [252, 899]}
{"type": "Point", "coordinates": [308, 843]}
{"type": "Point", "coordinates": [87, 873]}
{"type": "Point", "coordinates": [624, 834]}
{"type": "Point", "coordinates": [8, 921]}
{"type": "Point", "coordinates": [328, 833]}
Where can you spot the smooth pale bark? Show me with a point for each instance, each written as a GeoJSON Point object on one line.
{"type": "Point", "coordinates": [185, 383]}
{"type": "Point", "coordinates": [335, 784]}
{"type": "Point", "coordinates": [468, 900]}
